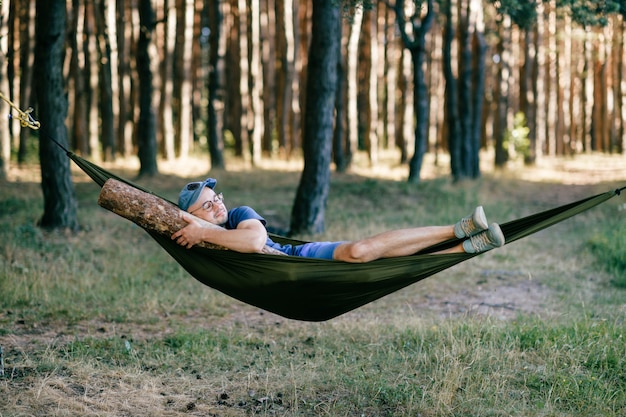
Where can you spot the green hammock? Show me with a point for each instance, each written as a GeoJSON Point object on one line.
{"type": "Point", "coordinates": [317, 289]}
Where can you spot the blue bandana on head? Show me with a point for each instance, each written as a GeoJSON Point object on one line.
{"type": "Point", "coordinates": [190, 192]}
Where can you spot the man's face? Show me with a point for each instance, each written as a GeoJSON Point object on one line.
{"type": "Point", "coordinates": [210, 207]}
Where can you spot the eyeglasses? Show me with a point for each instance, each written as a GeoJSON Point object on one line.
{"type": "Point", "coordinates": [207, 205]}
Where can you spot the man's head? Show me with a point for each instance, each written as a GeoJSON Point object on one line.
{"type": "Point", "coordinates": [198, 198]}
{"type": "Point", "coordinates": [190, 192]}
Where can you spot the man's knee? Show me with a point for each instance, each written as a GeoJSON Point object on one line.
{"type": "Point", "coordinates": [356, 252]}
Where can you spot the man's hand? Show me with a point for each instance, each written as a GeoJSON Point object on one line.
{"type": "Point", "coordinates": [191, 234]}
{"type": "Point", "coordinates": [250, 235]}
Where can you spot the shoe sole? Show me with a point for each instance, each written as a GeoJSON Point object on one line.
{"type": "Point", "coordinates": [496, 235]}
{"type": "Point", "coordinates": [479, 214]}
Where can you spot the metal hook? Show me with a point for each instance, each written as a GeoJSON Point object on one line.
{"type": "Point", "coordinates": [25, 117]}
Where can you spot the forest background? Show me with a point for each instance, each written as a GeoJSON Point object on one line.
{"type": "Point", "coordinates": [516, 78]}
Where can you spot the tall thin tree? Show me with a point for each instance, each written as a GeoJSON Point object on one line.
{"type": "Point", "coordinates": [451, 116]}
{"type": "Point", "coordinates": [26, 18]}
{"type": "Point", "coordinates": [105, 90]}
{"type": "Point", "coordinates": [146, 128]}
{"type": "Point", "coordinates": [5, 137]}
{"type": "Point", "coordinates": [216, 140]}
{"type": "Point", "coordinates": [416, 44]}
{"type": "Point", "coordinates": [310, 203]}
{"type": "Point", "coordinates": [125, 109]}
{"type": "Point", "coordinates": [181, 92]}
{"type": "Point", "coordinates": [56, 183]}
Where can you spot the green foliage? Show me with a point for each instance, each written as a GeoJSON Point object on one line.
{"type": "Point", "coordinates": [522, 13]}
{"type": "Point", "coordinates": [590, 13]}
{"type": "Point", "coordinates": [516, 139]}
{"type": "Point", "coordinates": [587, 13]}
{"type": "Point", "coordinates": [609, 247]}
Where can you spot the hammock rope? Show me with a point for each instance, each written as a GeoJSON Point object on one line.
{"type": "Point", "coordinates": [24, 116]}
{"type": "Point", "coordinates": [316, 289]}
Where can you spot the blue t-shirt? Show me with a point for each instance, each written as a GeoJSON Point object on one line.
{"type": "Point", "coordinates": [322, 250]}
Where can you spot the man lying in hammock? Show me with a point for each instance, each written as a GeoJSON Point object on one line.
{"type": "Point", "coordinates": [244, 231]}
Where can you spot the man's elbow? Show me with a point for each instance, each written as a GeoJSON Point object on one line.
{"type": "Point", "coordinates": [259, 244]}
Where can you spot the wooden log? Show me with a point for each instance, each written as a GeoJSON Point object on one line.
{"type": "Point", "coordinates": [151, 212]}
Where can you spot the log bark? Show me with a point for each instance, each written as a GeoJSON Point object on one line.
{"type": "Point", "coordinates": [151, 212]}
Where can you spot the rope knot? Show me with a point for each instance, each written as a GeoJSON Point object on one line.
{"type": "Point", "coordinates": [25, 117]}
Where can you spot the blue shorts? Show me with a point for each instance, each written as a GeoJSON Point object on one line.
{"type": "Point", "coordinates": [322, 250]}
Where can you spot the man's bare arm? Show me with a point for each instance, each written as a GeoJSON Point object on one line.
{"type": "Point", "coordinates": [249, 237]}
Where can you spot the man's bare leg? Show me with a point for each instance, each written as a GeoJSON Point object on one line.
{"type": "Point", "coordinates": [478, 235]}
{"type": "Point", "coordinates": [394, 243]}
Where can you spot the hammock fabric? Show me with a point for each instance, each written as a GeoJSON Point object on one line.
{"type": "Point", "coordinates": [317, 289]}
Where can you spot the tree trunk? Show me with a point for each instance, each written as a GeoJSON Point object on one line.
{"type": "Point", "coordinates": [302, 36]}
{"type": "Point", "coordinates": [451, 117]}
{"type": "Point", "coordinates": [564, 51]}
{"type": "Point", "coordinates": [528, 86]}
{"type": "Point", "coordinates": [26, 18]}
{"type": "Point", "coordinates": [268, 59]}
{"type": "Point", "coordinates": [181, 93]}
{"type": "Point", "coordinates": [198, 70]}
{"type": "Point", "coordinates": [352, 108]}
{"type": "Point", "coordinates": [56, 183]}
{"type": "Point", "coordinates": [310, 203]}
{"type": "Point", "coordinates": [390, 73]}
{"type": "Point", "coordinates": [619, 86]}
{"type": "Point", "coordinates": [600, 101]}
{"type": "Point", "coordinates": [387, 49]}
{"type": "Point", "coordinates": [536, 149]}
{"type": "Point", "coordinates": [479, 48]}
{"type": "Point", "coordinates": [79, 108]}
{"type": "Point", "coordinates": [125, 108]}
{"type": "Point", "coordinates": [501, 93]}
{"type": "Point", "coordinates": [151, 212]}
{"type": "Point", "coordinates": [13, 44]}
{"type": "Point", "coordinates": [587, 94]}
{"type": "Point", "coordinates": [234, 108]}
{"type": "Point", "coordinates": [146, 128]}
{"type": "Point", "coordinates": [465, 88]}
{"type": "Point", "coordinates": [92, 65]}
{"type": "Point", "coordinates": [5, 135]}
{"type": "Point", "coordinates": [243, 141]}
{"type": "Point", "coordinates": [339, 134]}
{"type": "Point", "coordinates": [551, 85]}
{"type": "Point", "coordinates": [417, 47]}
{"type": "Point", "coordinates": [615, 111]}
{"type": "Point", "coordinates": [255, 119]}
{"type": "Point", "coordinates": [165, 132]}
{"type": "Point", "coordinates": [216, 140]}
{"type": "Point", "coordinates": [364, 71]}
{"type": "Point", "coordinates": [284, 74]}
{"type": "Point", "coordinates": [372, 137]}
{"type": "Point", "coordinates": [105, 96]}
{"type": "Point", "coordinates": [420, 106]}
{"type": "Point", "coordinates": [401, 104]}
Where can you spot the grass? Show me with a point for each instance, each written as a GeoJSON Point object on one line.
{"type": "Point", "coordinates": [104, 323]}
{"type": "Point", "coordinates": [609, 247]}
